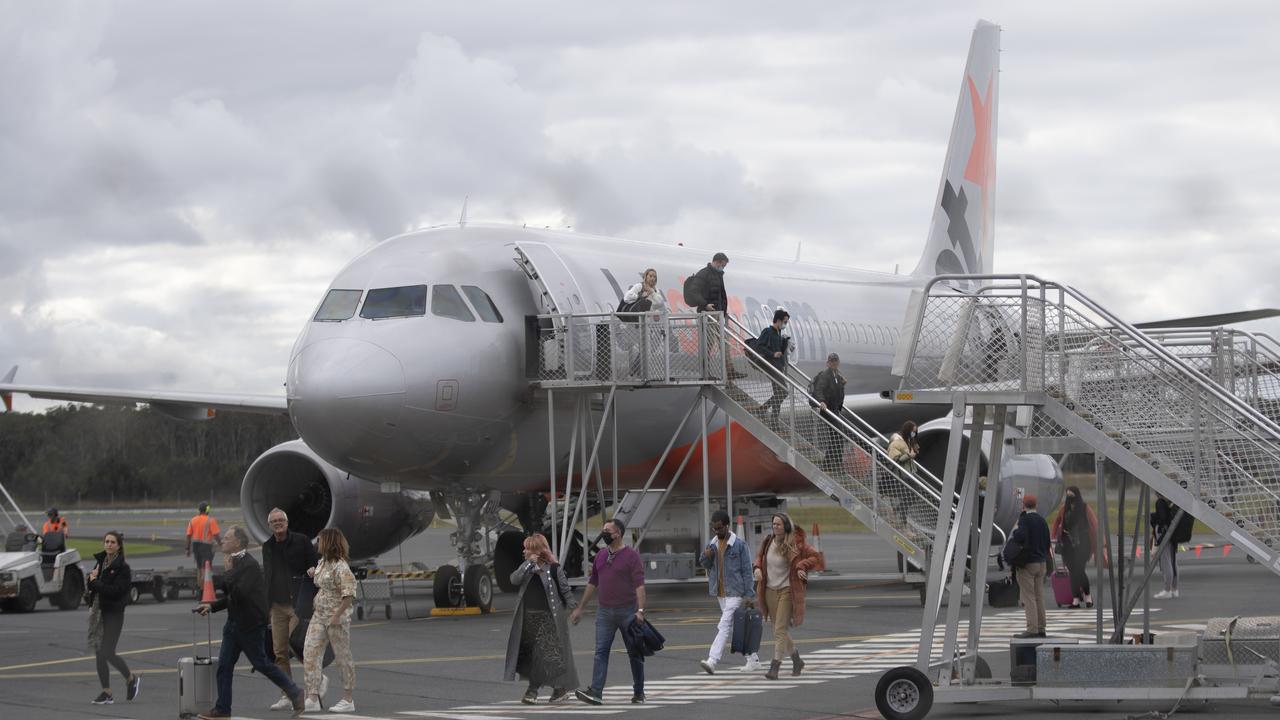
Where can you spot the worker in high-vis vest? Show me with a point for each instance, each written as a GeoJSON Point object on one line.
{"type": "Point", "coordinates": [202, 535]}
{"type": "Point", "coordinates": [55, 523]}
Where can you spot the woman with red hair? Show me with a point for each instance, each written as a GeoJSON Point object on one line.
{"type": "Point", "coordinates": [538, 649]}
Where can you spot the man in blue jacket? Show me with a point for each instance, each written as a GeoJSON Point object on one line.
{"type": "Point", "coordinates": [1032, 532]}
{"type": "Point", "coordinates": [728, 562]}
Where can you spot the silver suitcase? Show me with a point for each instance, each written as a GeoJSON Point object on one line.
{"type": "Point", "coordinates": [197, 685]}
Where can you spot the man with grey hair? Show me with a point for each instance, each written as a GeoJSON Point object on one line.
{"type": "Point", "coordinates": [827, 388]}
{"type": "Point", "coordinates": [286, 555]}
{"type": "Point", "coordinates": [244, 597]}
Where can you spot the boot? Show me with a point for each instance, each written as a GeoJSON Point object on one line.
{"type": "Point", "coordinates": [796, 663]}
{"type": "Point", "coordinates": [773, 670]}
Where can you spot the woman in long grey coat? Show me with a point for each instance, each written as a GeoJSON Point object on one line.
{"type": "Point", "coordinates": [538, 649]}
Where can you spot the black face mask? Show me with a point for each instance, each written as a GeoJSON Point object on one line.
{"type": "Point", "coordinates": [607, 537]}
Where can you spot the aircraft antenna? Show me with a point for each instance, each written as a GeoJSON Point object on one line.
{"type": "Point", "coordinates": [799, 244]}
{"type": "Point", "coordinates": [462, 219]}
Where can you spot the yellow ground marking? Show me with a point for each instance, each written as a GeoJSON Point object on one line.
{"type": "Point", "coordinates": [364, 663]}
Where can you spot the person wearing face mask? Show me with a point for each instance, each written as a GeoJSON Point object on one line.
{"type": "Point", "coordinates": [108, 585]}
{"type": "Point", "coordinates": [727, 561]}
{"type": "Point", "coordinates": [618, 574]}
{"type": "Point", "coordinates": [772, 346]}
{"type": "Point", "coordinates": [1073, 531]}
{"type": "Point", "coordinates": [904, 447]}
{"type": "Point", "coordinates": [707, 287]}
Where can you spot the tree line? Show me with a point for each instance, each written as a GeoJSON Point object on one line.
{"type": "Point", "coordinates": [76, 454]}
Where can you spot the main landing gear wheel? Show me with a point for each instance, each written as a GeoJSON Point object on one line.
{"type": "Point", "coordinates": [904, 693]}
{"type": "Point", "coordinates": [477, 587]}
{"type": "Point", "coordinates": [447, 587]}
{"type": "Point", "coordinates": [508, 553]}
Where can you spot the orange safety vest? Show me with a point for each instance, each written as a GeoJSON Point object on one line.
{"type": "Point", "coordinates": [202, 528]}
{"type": "Point", "coordinates": [59, 526]}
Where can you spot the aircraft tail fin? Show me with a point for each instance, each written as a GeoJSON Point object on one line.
{"type": "Point", "coordinates": [961, 233]}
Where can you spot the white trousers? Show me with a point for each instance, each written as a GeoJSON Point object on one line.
{"type": "Point", "coordinates": [724, 630]}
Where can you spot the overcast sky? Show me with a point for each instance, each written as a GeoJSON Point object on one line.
{"type": "Point", "coordinates": [179, 181]}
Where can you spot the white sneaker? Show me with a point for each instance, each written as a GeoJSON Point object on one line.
{"type": "Point", "coordinates": [312, 705]}
{"type": "Point", "coordinates": [1175, 594]}
{"type": "Point", "coordinates": [344, 706]}
{"type": "Point", "coordinates": [753, 665]}
{"type": "Point", "coordinates": [708, 666]}
{"type": "Point", "coordinates": [324, 685]}
{"type": "Point", "coordinates": [284, 703]}
{"type": "Point", "coordinates": [1162, 595]}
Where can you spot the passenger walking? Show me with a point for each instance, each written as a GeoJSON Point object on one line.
{"type": "Point", "coordinates": [782, 574]}
{"type": "Point", "coordinates": [245, 600]}
{"type": "Point", "coordinates": [772, 346]}
{"type": "Point", "coordinates": [1074, 530]}
{"type": "Point", "coordinates": [705, 291]}
{"type": "Point", "coordinates": [618, 575]}
{"type": "Point", "coordinates": [538, 649]}
{"type": "Point", "coordinates": [645, 345]}
{"type": "Point", "coordinates": [55, 523]}
{"type": "Point", "coordinates": [331, 620]}
{"type": "Point", "coordinates": [202, 535]}
{"type": "Point", "coordinates": [287, 557]}
{"type": "Point", "coordinates": [108, 586]}
{"type": "Point", "coordinates": [727, 560]}
{"type": "Point", "coordinates": [904, 447]}
{"type": "Point", "coordinates": [828, 390]}
{"type": "Point", "coordinates": [1162, 524]}
{"type": "Point", "coordinates": [1030, 537]}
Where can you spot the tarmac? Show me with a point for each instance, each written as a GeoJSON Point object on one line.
{"type": "Point", "coordinates": [416, 666]}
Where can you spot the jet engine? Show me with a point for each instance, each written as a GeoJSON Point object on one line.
{"type": "Point", "coordinates": [317, 495]}
{"type": "Point", "coordinates": [1019, 474]}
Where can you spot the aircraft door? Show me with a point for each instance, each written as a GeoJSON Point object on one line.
{"type": "Point", "coordinates": [557, 292]}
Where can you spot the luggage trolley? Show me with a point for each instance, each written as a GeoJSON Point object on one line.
{"type": "Point", "coordinates": [1235, 659]}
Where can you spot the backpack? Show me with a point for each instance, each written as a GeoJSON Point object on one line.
{"type": "Point", "coordinates": [1182, 533]}
{"type": "Point", "coordinates": [694, 292]}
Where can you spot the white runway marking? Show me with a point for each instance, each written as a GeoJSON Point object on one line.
{"type": "Point", "coordinates": [867, 657]}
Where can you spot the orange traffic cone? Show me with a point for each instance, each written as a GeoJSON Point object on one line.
{"type": "Point", "coordinates": [206, 594]}
{"type": "Point", "coordinates": [817, 545]}
{"type": "Point", "coordinates": [1226, 550]}
{"type": "Point", "coordinates": [742, 532]}
{"type": "Point", "coordinates": [1199, 549]}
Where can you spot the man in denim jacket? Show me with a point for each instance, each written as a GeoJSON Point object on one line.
{"type": "Point", "coordinates": [728, 562]}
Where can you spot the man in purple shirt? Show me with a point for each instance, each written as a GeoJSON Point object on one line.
{"type": "Point", "coordinates": [618, 575]}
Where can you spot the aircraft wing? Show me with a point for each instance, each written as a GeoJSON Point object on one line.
{"type": "Point", "coordinates": [1206, 321]}
{"type": "Point", "coordinates": [182, 405]}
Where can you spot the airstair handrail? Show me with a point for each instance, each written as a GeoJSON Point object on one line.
{"type": "Point", "coordinates": [1147, 343]}
{"type": "Point", "coordinates": [870, 438]}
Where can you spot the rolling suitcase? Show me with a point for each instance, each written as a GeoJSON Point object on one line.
{"type": "Point", "coordinates": [748, 628]}
{"type": "Point", "coordinates": [1061, 582]}
{"type": "Point", "coordinates": [197, 679]}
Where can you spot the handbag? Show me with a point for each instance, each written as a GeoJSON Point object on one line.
{"type": "Point", "coordinates": [642, 305]}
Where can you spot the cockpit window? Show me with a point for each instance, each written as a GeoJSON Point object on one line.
{"type": "Point", "coordinates": [408, 301]}
{"type": "Point", "coordinates": [483, 304]}
{"type": "Point", "coordinates": [338, 305]}
{"type": "Point", "coordinates": [446, 302]}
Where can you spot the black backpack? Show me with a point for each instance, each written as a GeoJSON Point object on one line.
{"type": "Point", "coordinates": [1182, 533]}
{"type": "Point", "coordinates": [694, 292]}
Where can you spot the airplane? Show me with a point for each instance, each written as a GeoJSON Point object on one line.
{"type": "Point", "coordinates": [408, 388]}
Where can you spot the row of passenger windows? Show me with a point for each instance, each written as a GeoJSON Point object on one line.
{"type": "Point", "coordinates": [410, 301]}
{"type": "Point", "coordinates": [832, 330]}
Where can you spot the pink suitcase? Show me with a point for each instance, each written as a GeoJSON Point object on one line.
{"type": "Point", "coordinates": [1061, 581]}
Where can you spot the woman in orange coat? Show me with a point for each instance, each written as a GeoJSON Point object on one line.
{"type": "Point", "coordinates": [781, 573]}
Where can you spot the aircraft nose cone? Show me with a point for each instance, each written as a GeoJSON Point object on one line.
{"type": "Point", "coordinates": [345, 396]}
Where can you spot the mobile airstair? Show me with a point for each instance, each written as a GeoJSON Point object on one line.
{"type": "Point", "coordinates": [841, 455]}
{"type": "Point", "coordinates": [1189, 413]}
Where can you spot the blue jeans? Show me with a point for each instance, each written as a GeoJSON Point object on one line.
{"type": "Point", "coordinates": [608, 622]}
{"type": "Point", "coordinates": [252, 643]}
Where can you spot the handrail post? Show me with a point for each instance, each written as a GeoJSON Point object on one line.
{"type": "Point", "coordinates": [1023, 344]}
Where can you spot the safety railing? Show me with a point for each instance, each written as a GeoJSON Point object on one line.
{"type": "Point", "coordinates": [897, 496]}
{"type": "Point", "coordinates": [627, 349]}
{"type": "Point", "coordinates": [1247, 364]}
{"type": "Point", "coordinates": [1025, 334]}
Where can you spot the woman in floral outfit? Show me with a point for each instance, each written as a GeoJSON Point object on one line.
{"type": "Point", "coordinates": [331, 623]}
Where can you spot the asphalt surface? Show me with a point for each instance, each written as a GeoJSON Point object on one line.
{"type": "Point", "coordinates": [417, 666]}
